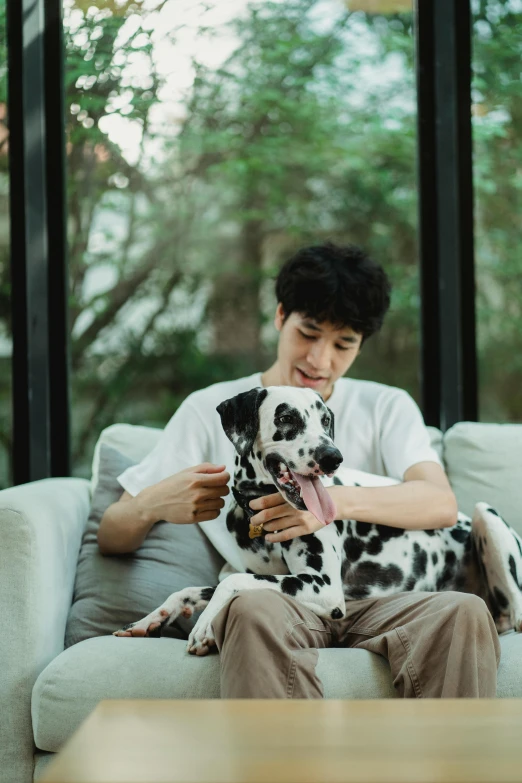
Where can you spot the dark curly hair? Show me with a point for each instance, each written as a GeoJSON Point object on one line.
{"type": "Point", "coordinates": [341, 285]}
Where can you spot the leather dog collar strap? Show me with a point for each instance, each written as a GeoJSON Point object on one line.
{"type": "Point", "coordinates": [243, 500]}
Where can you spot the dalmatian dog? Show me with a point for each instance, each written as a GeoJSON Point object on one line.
{"type": "Point", "coordinates": [283, 437]}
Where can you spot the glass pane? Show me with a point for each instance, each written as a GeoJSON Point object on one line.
{"type": "Point", "coordinates": [207, 141]}
{"type": "Point", "coordinates": [6, 421]}
{"type": "Point", "coordinates": [497, 141]}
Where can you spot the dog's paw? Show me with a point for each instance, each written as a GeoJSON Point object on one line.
{"type": "Point", "coordinates": [152, 623]}
{"type": "Point", "coordinates": [201, 638]}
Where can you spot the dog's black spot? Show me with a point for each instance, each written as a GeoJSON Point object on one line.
{"type": "Point", "coordinates": [314, 550]}
{"type": "Point", "coordinates": [327, 579]}
{"type": "Point", "coordinates": [370, 573]}
{"type": "Point", "coordinates": [306, 578]}
{"type": "Point", "coordinates": [318, 579]}
{"type": "Point", "coordinates": [458, 534]}
{"type": "Point", "coordinates": [420, 560]}
{"type": "Point", "coordinates": [301, 452]}
{"type": "Point", "coordinates": [266, 577]}
{"type": "Point", "coordinates": [236, 459]}
{"type": "Point", "coordinates": [513, 570]}
{"type": "Point", "coordinates": [374, 546]}
{"type": "Point", "coordinates": [434, 558]}
{"type": "Point", "coordinates": [450, 557]}
{"type": "Point", "coordinates": [336, 614]}
{"type": "Point", "coordinates": [363, 528]}
{"type": "Point", "coordinates": [291, 585]}
{"type": "Point", "coordinates": [288, 430]}
{"type": "Point", "coordinates": [358, 593]}
{"type": "Point", "coordinates": [248, 571]}
{"type": "Point", "coordinates": [339, 524]}
{"type": "Point", "coordinates": [337, 481]}
{"type": "Point", "coordinates": [259, 455]}
{"type": "Point", "coordinates": [353, 548]}
{"type": "Point", "coordinates": [249, 468]}
{"type": "Point", "coordinates": [318, 405]}
{"type": "Point", "coordinates": [500, 598]}
{"type": "Point", "coordinates": [316, 589]}
{"type": "Point", "coordinates": [207, 593]}
{"type": "Point", "coordinates": [410, 583]}
{"type": "Point", "coordinates": [386, 532]}
{"type": "Point", "coordinates": [446, 576]}
{"type": "Point", "coordinates": [266, 559]}
{"type": "Point", "coordinates": [430, 532]}
{"type": "Point", "coordinates": [310, 451]}
{"type": "Point", "coordinates": [492, 511]}
{"type": "Point", "coordinates": [310, 464]}
{"type": "Point", "coordinates": [239, 474]}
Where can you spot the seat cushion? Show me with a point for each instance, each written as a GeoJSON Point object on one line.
{"type": "Point", "coordinates": [113, 668]}
{"type": "Point", "coordinates": [125, 668]}
{"type": "Point", "coordinates": [483, 462]}
{"type": "Point", "coordinates": [111, 591]}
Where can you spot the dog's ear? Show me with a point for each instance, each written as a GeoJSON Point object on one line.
{"type": "Point", "coordinates": [331, 432]}
{"type": "Point", "coordinates": [240, 418]}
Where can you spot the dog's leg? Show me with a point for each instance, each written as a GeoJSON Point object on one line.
{"type": "Point", "coordinates": [320, 592]}
{"type": "Point", "coordinates": [180, 604]}
{"type": "Point", "coordinates": [499, 549]}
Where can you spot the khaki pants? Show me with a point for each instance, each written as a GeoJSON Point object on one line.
{"type": "Point", "coordinates": [437, 644]}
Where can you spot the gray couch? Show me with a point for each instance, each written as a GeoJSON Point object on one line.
{"type": "Point", "coordinates": [47, 691]}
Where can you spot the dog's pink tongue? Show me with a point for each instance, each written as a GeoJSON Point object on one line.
{"type": "Point", "coordinates": [316, 498]}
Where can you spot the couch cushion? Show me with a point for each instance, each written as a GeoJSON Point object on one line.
{"type": "Point", "coordinates": [111, 668]}
{"type": "Point", "coordinates": [484, 462]}
{"type": "Point", "coordinates": [134, 441]}
{"type": "Point", "coordinates": [111, 591]}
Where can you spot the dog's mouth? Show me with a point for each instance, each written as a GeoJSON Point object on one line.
{"type": "Point", "coordinates": [303, 492]}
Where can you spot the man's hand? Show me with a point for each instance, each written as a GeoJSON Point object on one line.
{"type": "Point", "coordinates": [192, 495]}
{"type": "Point", "coordinates": [274, 513]}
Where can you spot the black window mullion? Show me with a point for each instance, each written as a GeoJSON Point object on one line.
{"type": "Point", "coordinates": [449, 376]}
{"type": "Point", "coordinates": [37, 243]}
{"type": "Point", "coordinates": [59, 340]}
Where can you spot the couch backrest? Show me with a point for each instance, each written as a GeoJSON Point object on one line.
{"type": "Point", "coordinates": [484, 462]}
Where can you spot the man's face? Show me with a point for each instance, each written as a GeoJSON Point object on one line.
{"type": "Point", "coordinates": [314, 355]}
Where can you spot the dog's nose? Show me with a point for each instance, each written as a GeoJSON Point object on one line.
{"type": "Point", "coordinates": [328, 458]}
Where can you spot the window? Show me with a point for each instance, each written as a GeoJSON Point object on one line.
{"type": "Point", "coordinates": [497, 141]}
{"type": "Point", "coordinates": [207, 142]}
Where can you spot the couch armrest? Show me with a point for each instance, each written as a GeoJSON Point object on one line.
{"type": "Point", "coordinates": [41, 526]}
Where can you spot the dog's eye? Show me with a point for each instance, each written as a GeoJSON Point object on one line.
{"type": "Point", "coordinates": [325, 421]}
{"type": "Point", "coordinates": [284, 419]}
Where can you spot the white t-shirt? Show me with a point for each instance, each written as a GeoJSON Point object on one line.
{"type": "Point", "coordinates": [378, 429]}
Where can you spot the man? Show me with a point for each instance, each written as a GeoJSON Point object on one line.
{"type": "Point", "coordinates": [330, 300]}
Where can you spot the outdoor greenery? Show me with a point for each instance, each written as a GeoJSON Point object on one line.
{"type": "Point", "coordinates": [182, 210]}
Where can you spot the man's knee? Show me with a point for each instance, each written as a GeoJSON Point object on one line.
{"type": "Point", "coordinates": [257, 605]}
{"type": "Point", "coordinates": [469, 610]}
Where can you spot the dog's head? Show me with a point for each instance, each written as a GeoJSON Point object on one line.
{"type": "Point", "coordinates": [287, 434]}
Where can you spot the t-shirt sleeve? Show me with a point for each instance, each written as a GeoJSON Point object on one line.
{"type": "Point", "coordinates": [184, 442]}
{"type": "Point", "coordinates": [405, 441]}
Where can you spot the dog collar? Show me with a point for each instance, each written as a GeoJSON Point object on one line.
{"type": "Point", "coordinates": [243, 500]}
